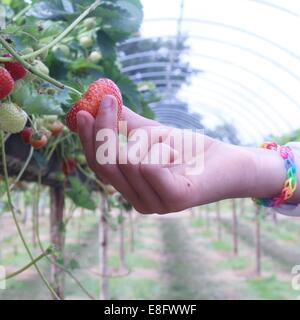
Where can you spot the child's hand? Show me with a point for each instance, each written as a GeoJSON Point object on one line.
{"type": "Point", "coordinates": [229, 171]}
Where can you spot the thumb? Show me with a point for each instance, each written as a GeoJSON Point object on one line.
{"type": "Point", "coordinates": [107, 114]}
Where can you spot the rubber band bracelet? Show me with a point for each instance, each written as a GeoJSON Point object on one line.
{"type": "Point", "coordinates": [290, 184]}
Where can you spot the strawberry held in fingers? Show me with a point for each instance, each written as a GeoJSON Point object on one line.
{"type": "Point", "coordinates": [15, 68]}
{"type": "Point", "coordinates": [6, 83]}
{"type": "Point", "coordinates": [91, 101]}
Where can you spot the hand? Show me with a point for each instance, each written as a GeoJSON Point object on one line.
{"type": "Point", "coordinates": [229, 171]}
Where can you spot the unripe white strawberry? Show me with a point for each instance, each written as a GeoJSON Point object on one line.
{"type": "Point", "coordinates": [41, 67]}
{"type": "Point", "coordinates": [95, 56]}
{"type": "Point", "coordinates": [63, 48]}
{"type": "Point", "coordinates": [90, 23]}
{"type": "Point", "coordinates": [12, 118]}
{"type": "Point", "coordinates": [86, 41]}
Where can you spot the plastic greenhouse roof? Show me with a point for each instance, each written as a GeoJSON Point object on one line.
{"type": "Point", "coordinates": [249, 57]}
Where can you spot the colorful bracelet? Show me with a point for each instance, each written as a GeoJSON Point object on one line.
{"type": "Point", "coordinates": [290, 184]}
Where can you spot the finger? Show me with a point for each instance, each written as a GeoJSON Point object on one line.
{"type": "Point", "coordinates": [135, 121]}
{"type": "Point", "coordinates": [105, 132]}
{"type": "Point", "coordinates": [160, 154]}
{"type": "Point", "coordinates": [130, 167]}
{"type": "Point", "coordinates": [159, 177]}
{"type": "Point", "coordinates": [143, 138]}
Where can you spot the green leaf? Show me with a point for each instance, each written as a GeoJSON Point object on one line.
{"type": "Point", "coordinates": [135, 12]}
{"type": "Point", "coordinates": [121, 18]}
{"type": "Point", "coordinates": [51, 9]}
{"type": "Point", "coordinates": [148, 112]}
{"type": "Point", "coordinates": [43, 105]}
{"type": "Point", "coordinates": [83, 63]}
{"type": "Point", "coordinates": [80, 195]}
{"type": "Point", "coordinates": [73, 264]}
{"type": "Point", "coordinates": [129, 92]}
{"type": "Point", "coordinates": [50, 29]}
{"type": "Point", "coordinates": [121, 219]}
{"type": "Point", "coordinates": [112, 202]}
{"type": "Point", "coordinates": [60, 260]}
{"type": "Point", "coordinates": [106, 44]}
{"type": "Point", "coordinates": [34, 103]}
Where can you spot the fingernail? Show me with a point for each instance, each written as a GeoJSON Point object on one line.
{"type": "Point", "coordinates": [107, 102]}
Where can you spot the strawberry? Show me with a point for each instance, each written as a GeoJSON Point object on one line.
{"type": "Point", "coordinates": [60, 177]}
{"type": "Point", "coordinates": [91, 101]}
{"type": "Point", "coordinates": [90, 23]}
{"type": "Point", "coordinates": [12, 118]}
{"type": "Point", "coordinates": [65, 50]}
{"type": "Point", "coordinates": [38, 140]}
{"type": "Point", "coordinates": [40, 66]}
{"type": "Point", "coordinates": [68, 167]}
{"type": "Point", "coordinates": [95, 57]}
{"type": "Point", "coordinates": [86, 41]}
{"type": "Point", "coordinates": [15, 68]}
{"type": "Point", "coordinates": [6, 83]}
{"type": "Point", "coordinates": [26, 135]}
{"type": "Point", "coordinates": [56, 128]}
{"type": "Point", "coordinates": [80, 158]}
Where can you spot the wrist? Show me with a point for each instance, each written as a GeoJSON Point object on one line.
{"type": "Point", "coordinates": [230, 172]}
{"type": "Point", "coordinates": [253, 172]}
{"type": "Point", "coordinates": [238, 172]}
{"type": "Point", "coordinates": [270, 173]}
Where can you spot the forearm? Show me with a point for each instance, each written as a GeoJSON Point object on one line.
{"type": "Point", "coordinates": [243, 172]}
{"type": "Point", "coordinates": [259, 173]}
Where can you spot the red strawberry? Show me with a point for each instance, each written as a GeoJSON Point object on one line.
{"type": "Point", "coordinates": [91, 101]}
{"type": "Point", "coordinates": [15, 68]}
{"type": "Point", "coordinates": [68, 167]}
{"type": "Point", "coordinates": [6, 83]}
{"type": "Point", "coordinates": [56, 128]}
{"type": "Point", "coordinates": [26, 135]}
{"type": "Point", "coordinates": [38, 140]}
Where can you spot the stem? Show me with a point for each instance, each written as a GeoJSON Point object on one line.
{"type": "Point", "coordinates": [70, 28]}
{"type": "Point", "coordinates": [41, 256]}
{"type": "Point", "coordinates": [23, 169]}
{"type": "Point", "coordinates": [37, 231]}
{"type": "Point", "coordinates": [99, 183]}
{"type": "Point", "coordinates": [21, 13]}
{"type": "Point", "coordinates": [28, 66]}
{"type": "Point", "coordinates": [73, 90]}
{"type": "Point", "coordinates": [33, 70]}
{"type": "Point", "coordinates": [7, 137]}
{"type": "Point", "coordinates": [16, 220]}
{"type": "Point", "coordinates": [53, 147]}
{"type": "Point", "coordinates": [103, 247]}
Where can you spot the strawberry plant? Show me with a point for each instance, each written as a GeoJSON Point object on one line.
{"type": "Point", "coordinates": [55, 59]}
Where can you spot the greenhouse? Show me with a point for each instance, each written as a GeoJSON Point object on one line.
{"type": "Point", "coordinates": [149, 151]}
